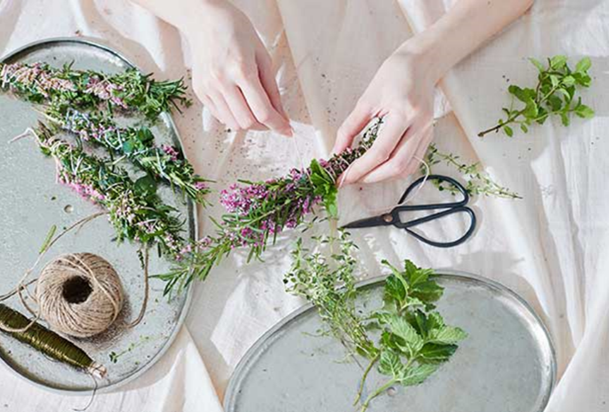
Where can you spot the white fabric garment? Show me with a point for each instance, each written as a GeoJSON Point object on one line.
{"type": "Point", "coordinates": [547, 247]}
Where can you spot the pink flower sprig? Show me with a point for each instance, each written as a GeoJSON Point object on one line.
{"type": "Point", "coordinates": [89, 90]}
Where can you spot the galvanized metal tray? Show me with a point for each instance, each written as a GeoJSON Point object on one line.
{"type": "Point", "coordinates": [507, 364]}
{"type": "Point", "coordinates": [31, 202]}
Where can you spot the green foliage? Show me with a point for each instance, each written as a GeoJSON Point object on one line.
{"type": "Point", "coordinates": [555, 94]}
{"type": "Point", "coordinates": [413, 338]}
{"type": "Point", "coordinates": [478, 181]}
{"type": "Point", "coordinates": [324, 185]}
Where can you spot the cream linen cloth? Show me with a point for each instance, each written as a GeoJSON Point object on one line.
{"type": "Point", "coordinates": [547, 247]}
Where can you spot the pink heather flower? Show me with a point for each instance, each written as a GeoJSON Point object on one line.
{"type": "Point", "coordinates": [200, 186]}
{"type": "Point", "coordinates": [171, 151]}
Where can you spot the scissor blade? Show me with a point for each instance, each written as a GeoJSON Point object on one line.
{"type": "Point", "coordinates": [367, 222]}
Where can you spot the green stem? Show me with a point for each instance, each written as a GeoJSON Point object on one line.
{"type": "Point", "coordinates": [377, 393]}
{"type": "Point", "coordinates": [364, 377]}
{"type": "Point", "coordinates": [499, 126]}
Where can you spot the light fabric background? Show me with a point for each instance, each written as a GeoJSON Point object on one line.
{"type": "Point", "coordinates": [547, 247]}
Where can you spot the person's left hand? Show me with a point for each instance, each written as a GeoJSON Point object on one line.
{"type": "Point", "coordinates": [402, 92]}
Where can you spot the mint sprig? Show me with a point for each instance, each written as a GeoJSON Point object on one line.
{"type": "Point", "coordinates": [554, 95]}
{"type": "Point", "coordinates": [411, 340]}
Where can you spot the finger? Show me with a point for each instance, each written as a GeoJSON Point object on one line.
{"type": "Point", "coordinates": [223, 112]}
{"type": "Point", "coordinates": [258, 101]}
{"type": "Point", "coordinates": [240, 110]}
{"type": "Point", "coordinates": [351, 127]}
{"type": "Point", "coordinates": [419, 155]}
{"type": "Point", "coordinates": [380, 152]}
{"type": "Point", "coordinates": [267, 78]}
{"type": "Point", "coordinates": [401, 161]}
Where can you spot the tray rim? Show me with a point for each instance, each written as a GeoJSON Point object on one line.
{"type": "Point", "coordinates": [192, 209]}
{"type": "Point", "coordinates": [232, 388]}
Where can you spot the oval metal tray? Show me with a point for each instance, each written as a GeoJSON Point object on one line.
{"type": "Point", "coordinates": [31, 202]}
{"type": "Point", "coordinates": [506, 364]}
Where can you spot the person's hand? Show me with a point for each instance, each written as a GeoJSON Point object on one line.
{"type": "Point", "coordinates": [401, 92]}
{"type": "Point", "coordinates": [232, 70]}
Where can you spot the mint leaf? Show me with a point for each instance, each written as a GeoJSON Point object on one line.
{"type": "Point", "coordinates": [417, 374]}
{"type": "Point", "coordinates": [391, 365]}
{"type": "Point", "coordinates": [447, 335]}
{"type": "Point", "coordinates": [408, 334]}
{"type": "Point", "coordinates": [435, 353]}
{"type": "Point", "coordinates": [558, 62]}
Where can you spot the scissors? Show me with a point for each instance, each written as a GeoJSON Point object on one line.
{"type": "Point", "coordinates": [444, 209]}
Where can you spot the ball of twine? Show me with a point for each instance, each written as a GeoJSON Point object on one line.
{"type": "Point", "coordinates": [79, 294]}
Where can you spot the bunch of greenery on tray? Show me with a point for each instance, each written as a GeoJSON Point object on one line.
{"type": "Point", "coordinates": [406, 340]}
{"type": "Point", "coordinates": [134, 208]}
{"type": "Point", "coordinates": [137, 144]}
{"type": "Point", "coordinates": [554, 95]}
{"type": "Point", "coordinates": [86, 89]}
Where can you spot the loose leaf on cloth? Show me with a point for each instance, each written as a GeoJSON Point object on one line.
{"type": "Point", "coordinates": [413, 338]}
{"type": "Point", "coordinates": [555, 94]}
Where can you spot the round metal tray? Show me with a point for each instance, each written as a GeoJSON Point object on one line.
{"type": "Point", "coordinates": [31, 202]}
{"type": "Point", "coordinates": [506, 364]}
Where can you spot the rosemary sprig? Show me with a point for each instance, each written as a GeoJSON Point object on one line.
{"type": "Point", "coordinates": [136, 144]}
{"type": "Point", "coordinates": [414, 340]}
{"type": "Point", "coordinates": [86, 89]}
{"type": "Point", "coordinates": [478, 181]}
{"type": "Point", "coordinates": [554, 94]}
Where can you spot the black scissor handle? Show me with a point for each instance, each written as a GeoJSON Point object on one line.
{"type": "Point", "coordinates": [462, 209]}
{"type": "Point", "coordinates": [440, 178]}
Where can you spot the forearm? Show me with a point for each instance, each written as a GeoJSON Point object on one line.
{"type": "Point", "coordinates": [186, 15]}
{"type": "Point", "coordinates": [464, 28]}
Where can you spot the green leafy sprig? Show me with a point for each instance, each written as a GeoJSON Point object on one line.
{"type": "Point", "coordinates": [478, 182]}
{"type": "Point", "coordinates": [554, 95]}
{"type": "Point", "coordinates": [414, 339]}
{"type": "Point", "coordinates": [86, 89]}
{"type": "Point", "coordinates": [137, 145]}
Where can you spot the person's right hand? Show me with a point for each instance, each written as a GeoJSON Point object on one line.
{"type": "Point", "coordinates": [232, 70]}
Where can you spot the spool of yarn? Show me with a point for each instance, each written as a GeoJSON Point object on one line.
{"type": "Point", "coordinates": [79, 294]}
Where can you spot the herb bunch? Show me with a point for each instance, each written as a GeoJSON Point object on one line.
{"type": "Point", "coordinates": [258, 211]}
{"type": "Point", "coordinates": [134, 209]}
{"type": "Point", "coordinates": [86, 89]}
{"type": "Point", "coordinates": [137, 145]}
{"type": "Point", "coordinates": [414, 341]}
{"type": "Point", "coordinates": [554, 95]}
{"type": "Point", "coordinates": [478, 181]}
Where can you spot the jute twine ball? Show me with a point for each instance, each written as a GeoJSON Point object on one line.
{"type": "Point", "coordinates": [79, 294]}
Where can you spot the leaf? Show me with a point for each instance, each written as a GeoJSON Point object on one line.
{"type": "Point", "coordinates": [417, 374]}
{"type": "Point", "coordinates": [558, 62]}
{"type": "Point", "coordinates": [568, 81]}
{"type": "Point", "coordinates": [524, 128]}
{"type": "Point", "coordinates": [427, 292]}
{"type": "Point", "coordinates": [390, 364]}
{"type": "Point", "coordinates": [537, 64]}
{"type": "Point", "coordinates": [584, 111]}
{"type": "Point", "coordinates": [448, 335]}
{"type": "Point", "coordinates": [402, 329]}
{"type": "Point", "coordinates": [394, 290]}
{"type": "Point", "coordinates": [435, 353]}
{"type": "Point", "coordinates": [564, 117]}
{"type": "Point", "coordinates": [583, 65]}
{"type": "Point", "coordinates": [145, 185]}
{"type": "Point", "coordinates": [508, 130]}
{"type": "Point", "coordinates": [48, 239]}
{"type": "Point", "coordinates": [531, 110]}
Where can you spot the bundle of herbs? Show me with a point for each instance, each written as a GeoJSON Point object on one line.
{"type": "Point", "coordinates": [406, 340]}
{"type": "Point", "coordinates": [86, 89]}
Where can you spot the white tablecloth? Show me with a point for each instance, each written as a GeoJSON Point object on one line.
{"type": "Point", "coordinates": [547, 247]}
